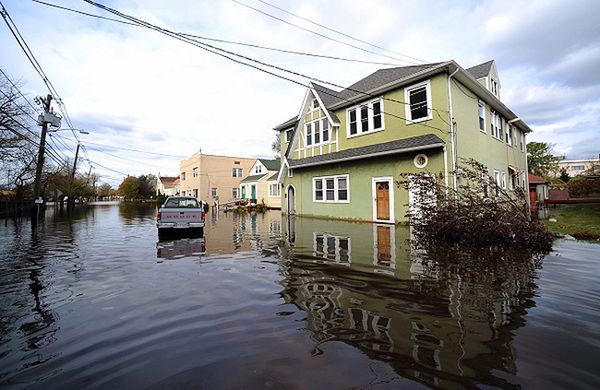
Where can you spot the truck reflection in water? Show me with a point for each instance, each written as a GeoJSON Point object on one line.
{"type": "Point", "coordinates": [177, 248]}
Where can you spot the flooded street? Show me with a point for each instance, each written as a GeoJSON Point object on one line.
{"type": "Point", "coordinates": [260, 301]}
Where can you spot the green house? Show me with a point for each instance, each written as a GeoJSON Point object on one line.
{"type": "Point", "coordinates": [344, 152]}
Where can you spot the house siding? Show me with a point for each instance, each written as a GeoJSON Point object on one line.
{"type": "Point", "coordinates": [361, 174]}
{"type": "Point", "coordinates": [472, 143]}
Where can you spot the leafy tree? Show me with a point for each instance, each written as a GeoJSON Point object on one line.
{"type": "Point", "coordinates": [276, 145]}
{"type": "Point", "coordinates": [147, 185]}
{"type": "Point", "coordinates": [130, 188]}
{"type": "Point", "coordinates": [564, 175]}
{"type": "Point", "coordinates": [540, 159]}
{"type": "Point", "coordinates": [17, 146]}
{"type": "Point", "coordinates": [104, 190]}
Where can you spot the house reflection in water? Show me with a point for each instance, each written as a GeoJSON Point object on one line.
{"type": "Point", "coordinates": [443, 322]}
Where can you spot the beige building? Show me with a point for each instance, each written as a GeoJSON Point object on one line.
{"type": "Point", "coordinates": [577, 167]}
{"type": "Point", "coordinates": [209, 177]}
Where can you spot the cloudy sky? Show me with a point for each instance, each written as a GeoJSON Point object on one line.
{"type": "Point", "coordinates": [136, 90]}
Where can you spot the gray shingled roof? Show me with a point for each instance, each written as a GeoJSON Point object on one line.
{"type": "Point", "coordinates": [329, 97]}
{"type": "Point", "coordinates": [382, 77]}
{"type": "Point", "coordinates": [289, 123]}
{"type": "Point", "coordinates": [271, 165]}
{"type": "Point", "coordinates": [404, 145]}
{"type": "Point", "coordinates": [274, 177]}
{"type": "Point", "coordinates": [375, 80]}
{"type": "Point", "coordinates": [253, 178]}
{"type": "Point", "coordinates": [481, 70]}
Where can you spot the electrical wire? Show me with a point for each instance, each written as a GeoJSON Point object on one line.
{"type": "Point", "coordinates": [220, 52]}
{"type": "Point", "coordinates": [227, 41]}
{"type": "Point", "coordinates": [18, 90]}
{"type": "Point", "coordinates": [36, 65]}
{"type": "Point", "coordinates": [322, 35]}
{"type": "Point", "coordinates": [139, 23]}
{"type": "Point", "coordinates": [341, 33]}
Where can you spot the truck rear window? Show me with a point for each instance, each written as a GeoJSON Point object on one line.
{"type": "Point", "coordinates": [181, 203]}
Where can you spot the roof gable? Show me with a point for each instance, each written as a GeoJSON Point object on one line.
{"type": "Point", "coordinates": [271, 165]}
{"type": "Point", "coordinates": [481, 70]}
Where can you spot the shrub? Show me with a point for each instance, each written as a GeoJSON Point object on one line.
{"type": "Point", "coordinates": [583, 186]}
{"type": "Point", "coordinates": [477, 213]}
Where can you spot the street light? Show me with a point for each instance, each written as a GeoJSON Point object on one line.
{"type": "Point", "coordinates": [82, 131]}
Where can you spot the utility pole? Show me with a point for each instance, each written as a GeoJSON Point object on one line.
{"type": "Point", "coordinates": [71, 198]}
{"type": "Point", "coordinates": [35, 210]}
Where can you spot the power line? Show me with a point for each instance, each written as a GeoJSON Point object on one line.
{"type": "Point", "coordinates": [135, 150]}
{"type": "Point", "coordinates": [36, 65]}
{"type": "Point", "coordinates": [340, 32]}
{"type": "Point", "coordinates": [319, 34]}
{"type": "Point", "coordinates": [220, 52]}
{"type": "Point", "coordinates": [18, 90]}
{"type": "Point", "coordinates": [186, 38]}
{"type": "Point", "coordinates": [227, 41]}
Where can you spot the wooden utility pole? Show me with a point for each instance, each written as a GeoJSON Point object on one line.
{"type": "Point", "coordinates": [71, 198]}
{"type": "Point", "coordinates": [35, 210]}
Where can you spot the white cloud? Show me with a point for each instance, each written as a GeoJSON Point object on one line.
{"type": "Point", "coordinates": [165, 96]}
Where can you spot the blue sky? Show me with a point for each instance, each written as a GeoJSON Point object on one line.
{"type": "Point", "coordinates": [135, 88]}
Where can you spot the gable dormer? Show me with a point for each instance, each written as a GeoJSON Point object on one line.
{"type": "Point", "coordinates": [316, 127]}
{"type": "Point", "coordinates": [487, 75]}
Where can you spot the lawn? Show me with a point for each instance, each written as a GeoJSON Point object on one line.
{"type": "Point", "coordinates": [575, 218]}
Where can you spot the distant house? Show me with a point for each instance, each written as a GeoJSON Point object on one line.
{"type": "Point", "coordinates": [538, 189]}
{"type": "Point", "coordinates": [261, 184]}
{"type": "Point", "coordinates": [345, 151]}
{"type": "Point", "coordinates": [167, 185]}
{"type": "Point", "coordinates": [210, 177]}
{"type": "Point", "coordinates": [578, 167]}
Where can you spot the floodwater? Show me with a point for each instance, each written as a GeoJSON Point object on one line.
{"type": "Point", "coordinates": [95, 300]}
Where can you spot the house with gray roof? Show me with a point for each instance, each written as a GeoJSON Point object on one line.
{"type": "Point", "coordinates": [345, 151]}
{"type": "Point", "coordinates": [261, 185]}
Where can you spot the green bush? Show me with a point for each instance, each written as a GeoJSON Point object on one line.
{"type": "Point", "coordinates": [580, 187]}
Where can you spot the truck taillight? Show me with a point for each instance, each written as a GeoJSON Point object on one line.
{"type": "Point", "coordinates": [158, 216]}
{"type": "Point", "coordinates": [203, 215]}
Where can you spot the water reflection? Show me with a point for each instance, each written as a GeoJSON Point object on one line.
{"type": "Point", "coordinates": [445, 321]}
{"type": "Point", "coordinates": [92, 299]}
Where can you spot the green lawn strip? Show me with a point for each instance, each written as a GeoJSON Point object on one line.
{"type": "Point", "coordinates": [577, 218]}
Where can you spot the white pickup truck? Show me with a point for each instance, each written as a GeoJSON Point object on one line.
{"type": "Point", "coordinates": [179, 214]}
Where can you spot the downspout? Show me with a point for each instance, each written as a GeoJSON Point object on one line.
{"type": "Point", "coordinates": [452, 130]}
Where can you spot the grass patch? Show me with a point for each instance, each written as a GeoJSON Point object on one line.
{"type": "Point", "coordinates": [579, 220]}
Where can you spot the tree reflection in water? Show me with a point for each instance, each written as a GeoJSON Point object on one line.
{"type": "Point", "coordinates": [444, 317]}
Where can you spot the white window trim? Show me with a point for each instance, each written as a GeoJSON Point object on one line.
{"type": "Point", "coordinates": [369, 105]}
{"type": "Point", "coordinates": [235, 192]}
{"type": "Point", "coordinates": [271, 194]}
{"type": "Point", "coordinates": [289, 131]}
{"type": "Point", "coordinates": [321, 142]}
{"type": "Point", "coordinates": [417, 165]}
{"type": "Point", "coordinates": [337, 248]}
{"type": "Point", "coordinates": [407, 90]}
{"type": "Point", "coordinates": [335, 188]}
{"type": "Point", "coordinates": [503, 180]}
{"type": "Point", "coordinates": [374, 181]}
{"type": "Point", "coordinates": [481, 103]}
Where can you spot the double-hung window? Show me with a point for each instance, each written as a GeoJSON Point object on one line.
{"type": "Point", "coordinates": [237, 172]}
{"type": "Point", "coordinates": [317, 132]}
{"type": "Point", "coordinates": [509, 135]}
{"type": "Point", "coordinates": [332, 189]}
{"type": "Point", "coordinates": [195, 172]}
{"type": "Point", "coordinates": [274, 189]}
{"type": "Point", "coordinates": [496, 125]}
{"type": "Point", "coordinates": [365, 118]}
{"type": "Point", "coordinates": [417, 99]}
{"type": "Point", "coordinates": [481, 110]}
{"type": "Point", "coordinates": [288, 135]}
